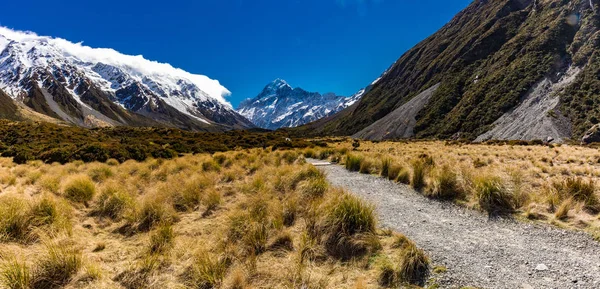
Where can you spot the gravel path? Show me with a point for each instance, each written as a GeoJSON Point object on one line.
{"type": "Point", "coordinates": [476, 250]}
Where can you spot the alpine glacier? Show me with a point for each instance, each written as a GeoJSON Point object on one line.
{"type": "Point", "coordinates": [90, 86]}
{"type": "Point", "coordinates": [279, 105]}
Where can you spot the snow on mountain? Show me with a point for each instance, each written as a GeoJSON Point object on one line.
{"type": "Point", "coordinates": [279, 105]}
{"type": "Point", "coordinates": [85, 81]}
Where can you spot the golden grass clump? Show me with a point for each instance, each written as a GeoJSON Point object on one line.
{"type": "Point", "coordinates": [162, 239]}
{"type": "Point", "coordinates": [346, 225]}
{"type": "Point", "coordinates": [21, 219]}
{"type": "Point", "coordinates": [493, 196]}
{"type": "Point", "coordinates": [56, 267]}
{"type": "Point", "coordinates": [444, 185]}
{"type": "Point", "coordinates": [79, 189]}
{"type": "Point", "coordinates": [207, 270]}
{"type": "Point", "coordinates": [15, 274]}
{"type": "Point", "coordinates": [113, 202]}
{"type": "Point", "coordinates": [151, 213]}
{"type": "Point", "coordinates": [353, 162]}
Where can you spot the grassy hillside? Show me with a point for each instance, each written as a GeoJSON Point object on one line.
{"type": "Point", "coordinates": [486, 59]}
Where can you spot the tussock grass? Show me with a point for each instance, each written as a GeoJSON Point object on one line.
{"type": "Point", "coordinates": [15, 274]}
{"type": "Point", "coordinates": [393, 172]}
{"type": "Point", "coordinates": [353, 162]}
{"type": "Point", "coordinates": [207, 270]}
{"type": "Point", "coordinates": [161, 240]}
{"type": "Point", "coordinates": [151, 213]}
{"type": "Point", "coordinates": [580, 191]}
{"type": "Point", "coordinates": [386, 163]}
{"type": "Point", "coordinates": [56, 267]}
{"type": "Point", "coordinates": [444, 185]}
{"type": "Point", "coordinates": [15, 222]}
{"type": "Point", "coordinates": [346, 224]}
{"type": "Point", "coordinates": [366, 166]}
{"type": "Point", "coordinates": [113, 202]}
{"type": "Point", "coordinates": [266, 212]}
{"type": "Point", "coordinates": [100, 172]}
{"type": "Point", "coordinates": [414, 265]}
{"type": "Point", "coordinates": [79, 189]}
{"type": "Point", "coordinates": [21, 219]}
{"type": "Point", "coordinates": [493, 196]}
{"type": "Point", "coordinates": [315, 187]}
{"type": "Point", "coordinates": [386, 273]}
{"type": "Point", "coordinates": [419, 171]}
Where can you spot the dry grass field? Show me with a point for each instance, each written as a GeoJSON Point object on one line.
{"type": "Point", "coordinates": [555, 184]}
{"type": "Point", "coordinates": [242, 219]}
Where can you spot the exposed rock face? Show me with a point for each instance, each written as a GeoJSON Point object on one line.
{"type": "Point", "coordinates": [538, 116]}
{"type": "Point", "coordinates": [401, 122]}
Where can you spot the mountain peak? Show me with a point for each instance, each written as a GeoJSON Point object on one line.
{"type": "Point", "coordinates": [277, 84]}
{"type": "Point", "coordinates": [280, 105]}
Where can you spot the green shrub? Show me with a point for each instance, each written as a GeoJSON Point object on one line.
{"type": "Point", "coordinates": [80, 189]}
{"type": "Point", "coordinates": [353, 162]}
{"type": "Point", "coordinates": [493, 196]}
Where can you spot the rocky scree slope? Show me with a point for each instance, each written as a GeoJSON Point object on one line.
{"type": "Point", "coordinates": [279, 105]}
{"type": "Point", "coordinates": [100, 87]}
{"type": "Point", "coordinates": [488, 60]}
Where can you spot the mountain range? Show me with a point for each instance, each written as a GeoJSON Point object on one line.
{"type": "Point", "coordinates": [55, 79]}
{"type": "Point", "coordinates": [279, 105]}
{"type": "Point", "coordinates": [502, 69]}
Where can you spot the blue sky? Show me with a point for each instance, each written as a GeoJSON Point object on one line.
{"type": "Point", "coordinates": [320, 45]}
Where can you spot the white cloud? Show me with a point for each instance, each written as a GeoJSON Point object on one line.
{"type": "Point", "coordinates": [137, 64]}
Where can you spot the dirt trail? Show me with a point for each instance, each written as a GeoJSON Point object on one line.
{"type": "Point", "coordinates": [476, 250]}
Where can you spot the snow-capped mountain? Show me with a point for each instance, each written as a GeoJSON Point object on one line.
{"type": "Point", "coordinates": [279, 105]}
{"type": "Point", "coordinates": [97, 86]}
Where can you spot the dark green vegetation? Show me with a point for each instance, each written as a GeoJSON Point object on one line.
{"type": "Point", "coordinates": [56, 143]}
{"type": "Point", "coordinates": [486, 59]}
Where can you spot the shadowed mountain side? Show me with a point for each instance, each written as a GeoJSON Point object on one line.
{"type": "Point", "coordinates": [401, 122]}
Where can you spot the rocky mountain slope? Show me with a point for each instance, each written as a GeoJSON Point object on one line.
{"type": "Point", "coordinates": [502, 66]}
{"type": "Point", "coordinates": [100, 87]}
{"type": "Point", "coordinates": [279, 105]}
